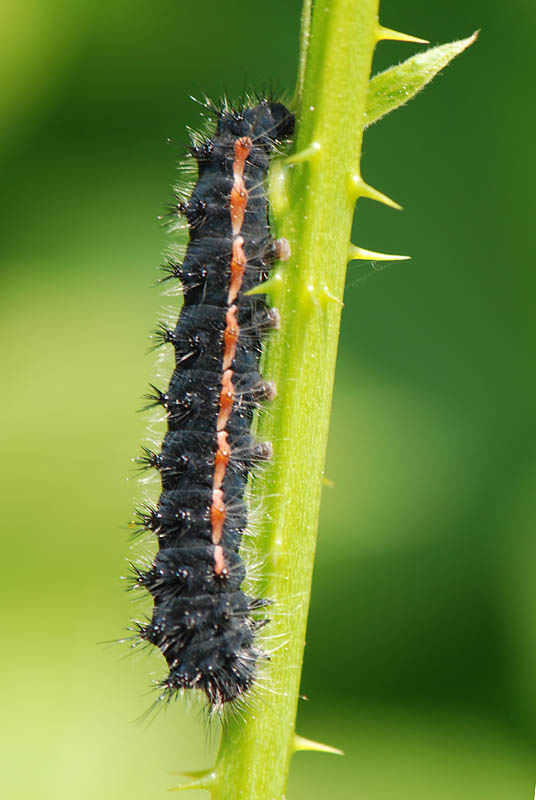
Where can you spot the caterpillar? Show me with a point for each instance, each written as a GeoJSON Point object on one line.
{"type": "Point", "coordinates": [202, 621]}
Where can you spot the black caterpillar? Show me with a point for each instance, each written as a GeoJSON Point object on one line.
{"type": "Point", "coordinates": [202, 621]}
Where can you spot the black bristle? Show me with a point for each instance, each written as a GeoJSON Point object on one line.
{"type": "Point", "coordinates": [149, 459]}
{"type": "Point", "coordinates": [155, 398]}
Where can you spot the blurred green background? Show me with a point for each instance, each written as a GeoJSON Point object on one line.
{"type": "Point", "coordinates": [421, 653]}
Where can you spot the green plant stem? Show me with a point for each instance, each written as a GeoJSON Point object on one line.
{"type": "Point", "coordinates": [313, 199]}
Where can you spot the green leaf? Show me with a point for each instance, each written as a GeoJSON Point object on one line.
{"type": "Point", "coordinates": [394, 87]}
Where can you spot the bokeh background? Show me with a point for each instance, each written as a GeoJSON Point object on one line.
{"type": "Point", "coordinates": [421, 653]}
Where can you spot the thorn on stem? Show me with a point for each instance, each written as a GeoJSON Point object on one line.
{"type": "Point", "coordinates": [383, 34]}
{"type": "Point", "coordinates": [359, 188]}
{"type": "Point", "coordinates": [356, 253]}
{"type": "Point", "coordinates": [300, 743]}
